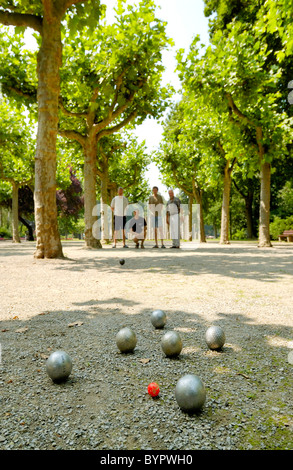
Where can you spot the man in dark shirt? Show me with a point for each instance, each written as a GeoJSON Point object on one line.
{"type": "Point", "coordinates": [138, 226]}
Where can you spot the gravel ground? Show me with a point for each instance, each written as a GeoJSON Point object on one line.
{"type": "Point", "coordinates": [104, 404]}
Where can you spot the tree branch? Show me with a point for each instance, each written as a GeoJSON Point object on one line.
{"type": "Point", "coordinates": [233, 163]}
{"type": "Point", "coordinates": [239, 190]}
{"type": "Point", "coordinates": [259, 137]}
{"type": "Point", "coordinates": [69, 113]}
{"type": "Point", "coordinates": [29, 96]}
{"type": "Point", "coordinates": [99, 173]}
{"type": "Point", "coordinates": [237, 111]}
{"type": "Point", "coordinates": [72, 135]}
{"type": "Point", "coordinates": [48, 9]}
{"type": "Point", "coordinates": [116, 128]}
{"type": "Point", "coordinates": [111, 117]}
{"type": "Point", "coordinates": [189, 193]}
{"type": "Point", "coordinates": [119, 81]}
{"type": "Point", "coordinates": [21, 19]}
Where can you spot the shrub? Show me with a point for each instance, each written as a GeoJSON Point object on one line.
{"type": "Point", "coordinates": [279, 225]}
{"type": "Point", "coordinates": [5, 233]}
{"type": "Point", "coordinates": [239, 234]}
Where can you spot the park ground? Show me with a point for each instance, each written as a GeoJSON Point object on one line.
{"type": "Point", "coordinates": [79, 303]}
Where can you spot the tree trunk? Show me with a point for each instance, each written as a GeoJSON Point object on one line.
{"type": "Point", "coordinates": [190, 203]}
{"type": "Point", "coordinates": [29, 227]}
{"type": "Point", "coordinates": [198, 198]}
{"type": "Point", "coordinates": [104, 207]}
{"type": "Point", "coordinates": [113, 191]}
{"type": "Point", "coordinates": [49, 61]}
{"type": "Point", "coordinates": [15, 231]}
{"type": "Point", "coordinates": [90, 201]}
{"type": "Point", "coordinates": [248, 213]}
{"type": "Point", "coordinates": [215, 231]}
{"type": "Point", "coordinates": [225, 217]}
{"type": "Point", "coordinates": [264, 211]}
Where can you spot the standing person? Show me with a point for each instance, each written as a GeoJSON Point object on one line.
{"type": "Point", "coordinates": [138, 226]}
{"type": "Point", "coordinates": [173, 218]}
{"type": "Point", "coordinates": [156, 200]}
{"type": "Point", "coordinates": [118, 207]}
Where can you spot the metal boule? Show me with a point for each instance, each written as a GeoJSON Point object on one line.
{"type": "Point", "coordinates": [59, 366]}
{"type": "Point", "coordinates": [215, 337]}
{"type": "Point", "coordinates": [126, 340]}
{"type": "Point", "coordinates": [171, 344]}
{"type": "Point", "coordinates": [158, 318]}
{"type": "Point", "coordinates": [190, 393]}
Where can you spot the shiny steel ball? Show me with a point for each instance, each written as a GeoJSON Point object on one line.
{"type": "Point", "coordinates": [158, 318]}
{"type": "Point", "coordinates": [126, 340]}
{"type": "Point", "coordinates": [215, 337]}
{"type": "Point", "coordinates": [190, 393]}
{"type": "Point", "coordinates": [171, 344]}
{"type": "Point", "coordinates": [59, 366]}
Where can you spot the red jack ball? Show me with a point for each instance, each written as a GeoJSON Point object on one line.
{"type": "Point", "coordinates": [153, 389]}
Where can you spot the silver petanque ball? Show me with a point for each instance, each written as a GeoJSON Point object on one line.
{"type": "Point", "coordinates": [190, 393]}
{"type": "Point", "coordinates": [158, 318]}
{"type": "Point", "coordinates": [59, 366]}
{"type": "Point", "coordinates": [215, 337]}
{"type": "Point", "coordinates": [171, 343]}
{"type": "Point", "coordinates": [126, 340]}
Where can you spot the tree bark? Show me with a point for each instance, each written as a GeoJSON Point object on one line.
{"type": "Point", "coordinates": [29, 227]}
{"type": "Point", "coordinates": [198, 198]}
{"type": "Point", "coordinates": [264, 210]}
{"type": "Point", "coordinates": [264, 239]}
{"type": "Point", "coordinates": [225, 217]}
{"type": "Point", "coordinates": [248, 213]}
{"type": "Point", "coordinates": [15, 231]}
{"type": "Point", "coordinates": [90, 201]}
{"type": "Point", "coordinates": [49, 61]}
{"type": "Point", "coordinates": [190, 203]}
{"type": "Point", "coordinates": [215, 231]}
{"type": "Point", "coordinates": [248, 198]}
{"type": "Point", "coordinates": [104, 206]}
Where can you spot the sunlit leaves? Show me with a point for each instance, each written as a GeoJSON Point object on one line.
{"type": "Point", "coordinates": [17, 145]}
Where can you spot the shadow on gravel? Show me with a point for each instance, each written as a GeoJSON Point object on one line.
{"type": "Point", "coordinates": [235, 264]}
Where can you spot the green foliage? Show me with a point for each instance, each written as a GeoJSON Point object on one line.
{"type": "Point", "coordinates": [115, 70]}
{"type": "Point", "coordinates": [127, 166]}
{"type": "Point", "coordinates": [24, 6]}
{"type": "Point", "coordinates": [79, 226]}
{"type": "Point", "coordinates": [285, 199]}
{"type": "Point", "coordinates": [5, 233]}
{"type": "Point", "coordinates": [17, 145]}
{"type": "Point", "coordinates": [278, 226]}
{"type": "Point", "coordinates": [239, 234]}
{"type": "Point", "coordinates": [66, 225]}
{"type": "Point", "coordinates": [18, 66]}
{"type": "Point", "coordinates": [236, 90]}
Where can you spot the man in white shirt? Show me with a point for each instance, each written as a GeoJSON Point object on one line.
{"type": "Point", "coordinates": [118, 207]}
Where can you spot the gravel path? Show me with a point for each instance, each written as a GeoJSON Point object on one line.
{"type": "Point", "coordinates": [104, 404]}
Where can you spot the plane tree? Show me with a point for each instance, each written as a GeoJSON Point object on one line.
{"type": "Point", "coordinates": [49, 19]}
